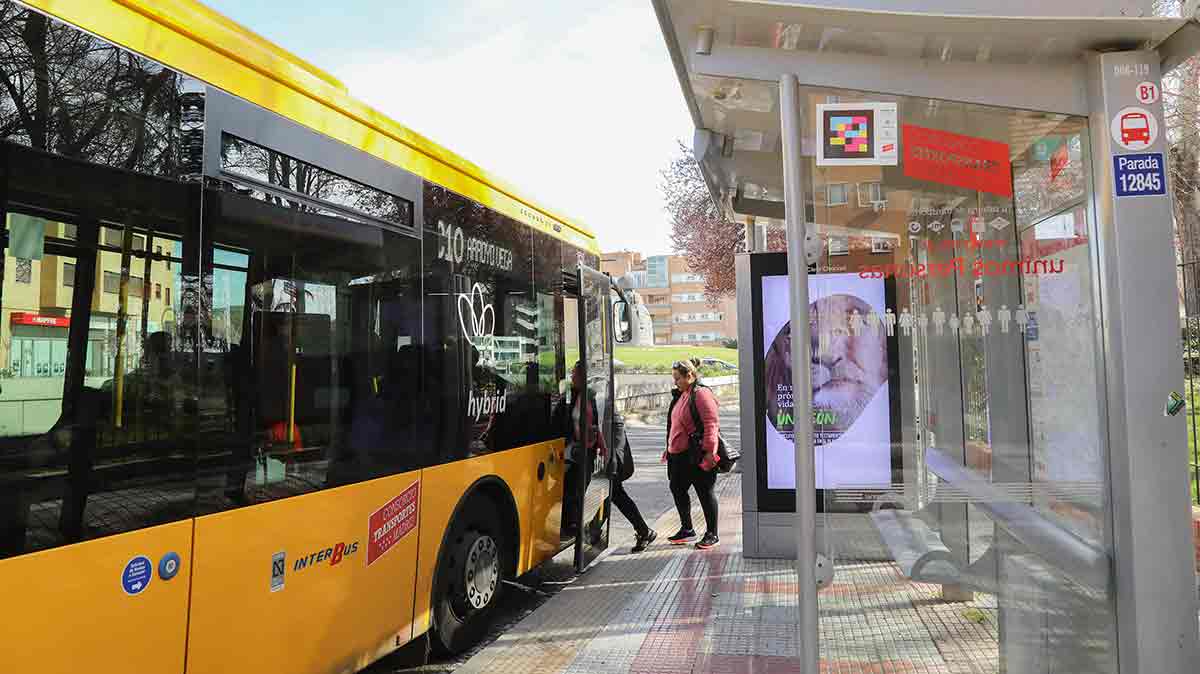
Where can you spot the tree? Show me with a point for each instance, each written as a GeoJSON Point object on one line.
{"type": "Point", "coordinates": [1181, 112]}
{"type": "Point", "coordinates": [275, 168]}
{"type": "Point", "coordinates": [66, 92]}
{"type": "Point", "coordinates": [699, 230]}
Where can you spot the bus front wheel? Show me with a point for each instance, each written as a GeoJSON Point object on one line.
{"type": "Point", "coordinates": [470, 579]}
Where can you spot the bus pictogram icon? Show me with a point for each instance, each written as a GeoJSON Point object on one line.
{"type": "Point", "coordinates": [1134, 128]}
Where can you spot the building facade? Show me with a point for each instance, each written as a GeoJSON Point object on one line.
{"type": "Point", "coordinates": [37, 299]}
{"type": "Point", "coordinates": [673, 295]}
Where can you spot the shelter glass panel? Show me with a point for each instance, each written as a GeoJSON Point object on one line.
{"type": "Point", "coordinates": [957, 390]}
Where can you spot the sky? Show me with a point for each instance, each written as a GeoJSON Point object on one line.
{"type": "Point", "coordinates": [574, 103]}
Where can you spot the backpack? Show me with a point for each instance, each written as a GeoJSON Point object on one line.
{"type": "Point", "coordinates": [727, 457]}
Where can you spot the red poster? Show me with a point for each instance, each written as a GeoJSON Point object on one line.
{"type": "Point", "coordinates": [388, 525]}
{"type": "Point", "coordinates": [953, 159]}
{"type": "Point", "coordinates": [1059, 161]}
{"type": "Point", "coordinates": [24, 318]}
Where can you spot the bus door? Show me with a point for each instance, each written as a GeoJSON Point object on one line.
{"type": "Point", "coordinates": [596, 357]}
{"type": "Point", "coordinates": [97, 479]}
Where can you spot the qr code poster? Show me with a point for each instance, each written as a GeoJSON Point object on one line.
{"type": "Point", "coordinates": [857, 134]}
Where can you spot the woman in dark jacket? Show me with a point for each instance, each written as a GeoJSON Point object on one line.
{"type": "Point", "coordinates": [581, 464]}
{"type": "Point", "coordinates": [620, 498]}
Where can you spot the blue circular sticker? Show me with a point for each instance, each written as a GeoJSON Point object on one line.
{"type": "Point", "coordinates": [135, 578]}
{"type": "Point", "coordinates": [168, 566]}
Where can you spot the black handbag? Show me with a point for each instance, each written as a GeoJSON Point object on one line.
{"type": "Point", "coordinates": [727, 456]}
{"type": "Point", "coordinates": [622, 461]}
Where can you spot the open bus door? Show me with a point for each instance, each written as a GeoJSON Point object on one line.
{"type": "Point", "coordinates": [591, 486]}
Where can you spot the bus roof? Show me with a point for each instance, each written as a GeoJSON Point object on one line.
{"type": "Point", "coordinates": [195, 39]}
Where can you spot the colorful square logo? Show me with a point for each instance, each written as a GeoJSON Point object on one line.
{"type": "Point", "coordinates": [849, 134]}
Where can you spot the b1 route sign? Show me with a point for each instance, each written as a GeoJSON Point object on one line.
{"type": "Point", "coordinates": [1140, 175]}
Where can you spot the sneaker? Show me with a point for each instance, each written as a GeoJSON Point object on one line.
{"type": "Point", "coordinates": [644, 542]}
{"type": "Point", "coordinates": [682, 536]}
{"type": "Point", "coordinates": [710, 540]}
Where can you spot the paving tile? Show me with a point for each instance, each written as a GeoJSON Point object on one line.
{"type": "Point", "coordinates": [676, 610]}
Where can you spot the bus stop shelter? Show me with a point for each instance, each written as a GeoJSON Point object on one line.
{"type": "Point", "coordinates": [963, 370]}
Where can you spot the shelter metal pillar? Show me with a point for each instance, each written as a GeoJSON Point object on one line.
{"type": "Point", "coordinates": [794, 179]}
{"type": "Point", "coordinates": [1153, 563]}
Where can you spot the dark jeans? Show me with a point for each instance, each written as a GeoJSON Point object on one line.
{"type": "Point", "coordinates": [628, 508]}
{"type": "Point", "coordinates": [683, 473]}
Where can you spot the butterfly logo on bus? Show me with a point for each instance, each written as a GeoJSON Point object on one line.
{"type": "Point", "coordinates": [477, 318]}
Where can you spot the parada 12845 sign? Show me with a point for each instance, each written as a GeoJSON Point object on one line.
{"type": "Point", "coordinates": [1140, 175]}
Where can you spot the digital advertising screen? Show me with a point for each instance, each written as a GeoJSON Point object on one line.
{"type": "Point", "coordinates": [852, 412]}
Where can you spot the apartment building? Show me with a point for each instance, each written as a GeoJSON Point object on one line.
{"type": "Point", "coordinates": [673, 295]}
{"type": "Point", "coordinates": [36, 316]}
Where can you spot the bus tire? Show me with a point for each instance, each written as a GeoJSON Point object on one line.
{"type": "Point", "coordinates": [470, 578]}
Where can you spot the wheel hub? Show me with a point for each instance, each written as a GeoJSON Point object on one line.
{"type": "Point", "coordinates": [482, 572]}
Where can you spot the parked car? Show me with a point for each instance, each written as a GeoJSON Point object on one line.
{"type": "Point", "coordinates": [718, 363]}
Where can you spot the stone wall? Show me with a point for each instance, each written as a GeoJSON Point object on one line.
{"type": "Point", "coordinates": [653, 397]}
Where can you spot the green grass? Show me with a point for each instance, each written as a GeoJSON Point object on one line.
{"type": "Point", "coordinates": [1192, 392]}
{"type": "Point", "coordinates": [1191, 457]}
{"type": "Point", "coordinates": [658, 359]}
{"type": "Point", "coordinates": [1195, 494]}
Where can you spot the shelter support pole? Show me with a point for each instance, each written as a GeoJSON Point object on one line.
{"type": "Point", "coordinates": [1150, 543]}
{"type": "Point", "coordinates": [794, 176]}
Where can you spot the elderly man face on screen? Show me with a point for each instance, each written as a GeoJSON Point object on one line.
{"type": "Point", "coordinates": [847, 369]}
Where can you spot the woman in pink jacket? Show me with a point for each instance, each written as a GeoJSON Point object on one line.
{"type": "Point", "coordinates": [688, 468]}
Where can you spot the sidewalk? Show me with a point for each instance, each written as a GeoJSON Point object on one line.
{"type": "Point", "coordinates": [676, 609]}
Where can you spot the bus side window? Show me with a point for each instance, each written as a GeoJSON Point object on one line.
{"type": "Point", "coordinates": [89, 441]}
{"type": "Point", "coordinates": [482, 307]}
{"type": "Point", "coordinates": [551, 356]}
{"type": "Point", "coordinates": [321, 316]}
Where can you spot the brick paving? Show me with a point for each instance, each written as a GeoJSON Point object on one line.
{"type": "Point", "coordinates": [675, 609]}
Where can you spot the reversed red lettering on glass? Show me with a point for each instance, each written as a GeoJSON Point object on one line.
{"type": "Point", "coordinates": [953, 159]}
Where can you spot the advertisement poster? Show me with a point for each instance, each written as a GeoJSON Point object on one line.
{"type": "Point", "coordinates": [857, 134]}
{"type": "Point", "coordinates": [851, 401]}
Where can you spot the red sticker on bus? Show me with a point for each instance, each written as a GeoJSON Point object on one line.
{"type": "Point", "coordinates": [392, 522]}
{"type": "Point", "coordinates": [953, 159]}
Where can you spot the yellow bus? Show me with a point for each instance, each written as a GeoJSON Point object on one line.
{"type": "Point", "coordinates": [278, 376]}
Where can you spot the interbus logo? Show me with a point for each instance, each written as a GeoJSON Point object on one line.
{"type": "Point", "coordinates": [391, 523]}
{"type": "Point", "coordinates": [332, 555]}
